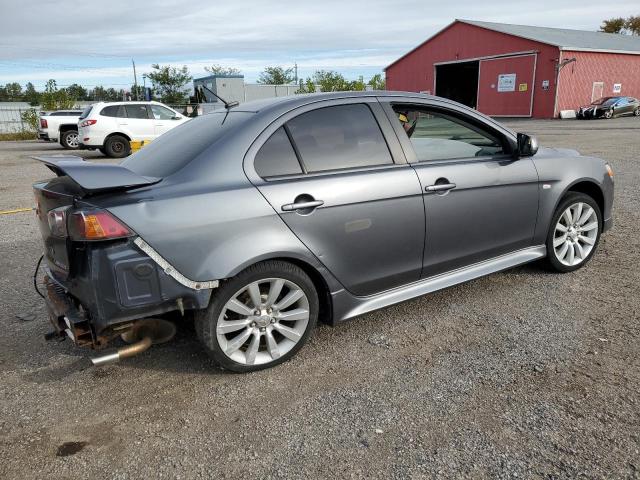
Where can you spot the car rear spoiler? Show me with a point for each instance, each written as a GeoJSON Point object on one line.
{"type": "Point", "coordinates": [95, 177]}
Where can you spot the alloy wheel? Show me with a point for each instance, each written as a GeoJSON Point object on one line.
{"type": "Point", "coordinates": [575, 234]}
{"type": "Point", "coordinates": [263, 321]}
{"type": "Point", "coordinates": [636, 112]}
{"type": "Point", "coordinates": [72, 140]}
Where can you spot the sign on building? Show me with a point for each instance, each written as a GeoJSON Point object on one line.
{"type": "Point", "coordinates": [507, 82]}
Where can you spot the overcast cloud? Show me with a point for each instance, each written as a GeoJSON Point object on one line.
{"type": "Point", "coordinates": [93, 42]}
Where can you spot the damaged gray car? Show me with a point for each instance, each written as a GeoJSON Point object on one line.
{"type": "Point", "coordinates": [265, 218]}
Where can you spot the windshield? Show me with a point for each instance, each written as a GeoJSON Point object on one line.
{"type": "Point", "coordinates": [605, 101]}
{"type": "Point", "coordinates": [173, 150]}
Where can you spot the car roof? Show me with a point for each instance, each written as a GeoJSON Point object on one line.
{"type": "Point", "coordinates": [294, 101]}
{"type": "Point", "coordinates": [129, 102]}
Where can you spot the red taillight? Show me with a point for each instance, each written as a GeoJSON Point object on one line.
{"type": "Point", "coordinates": [96, 225]}
{"type": "Point", "coordinates": [86, 123]}
{"type": "Point", "coordinates": [43, 123]}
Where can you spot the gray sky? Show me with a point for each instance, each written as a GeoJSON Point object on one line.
{"type": "Point", "coordinates": [92, 42]}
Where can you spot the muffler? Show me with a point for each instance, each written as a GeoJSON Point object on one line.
{"type": "Point", "coordinates": [141, 335]}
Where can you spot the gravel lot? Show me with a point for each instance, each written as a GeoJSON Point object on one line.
{"type": "Point", "coordinates": [521, 374]}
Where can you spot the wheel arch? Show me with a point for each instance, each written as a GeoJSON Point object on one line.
{"type": "Point", "coordinates": [117, 133]}
{"type": "Point", "coordinates": [325, 313]}
{"type": "Point", "coordinates": [588, 187]}
{"type": "Point", "coordinates": [67, 127]}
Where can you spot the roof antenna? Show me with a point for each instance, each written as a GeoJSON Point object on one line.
{"type": "Point", "coordinates": [227, 105]}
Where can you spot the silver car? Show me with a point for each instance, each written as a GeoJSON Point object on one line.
{"type": "Point", "coordinates": [261, 220]}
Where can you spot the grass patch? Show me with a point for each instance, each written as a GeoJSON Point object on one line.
{"type": "Point", "coordinates": [17, 136]}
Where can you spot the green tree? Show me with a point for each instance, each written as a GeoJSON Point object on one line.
{"type": "Point", "coordinates": [306, 86]}
{"type": "Point", "coordinates": [330, 81]}
{"type": "Point", "coordinates": [220, 70]}
{"type": "Point", "coordinates": [137, 92]}
{"type": "Point", "coordinates": [31, 95]}
{"type": "Point", "coordinates": [170, 83]}
{"type": "Point", "coordinates": [113, 95]}
{"type": "Point", "coordinates": [76, 92]}
{"type": "Point", "coordinates": [613, 25]}
{"type": "Point", "coordinates": [30, 120]}
{"type": "Point", "coordinates": [13, 92]}
{"type": "Point", "coordinates": [633, 24]}
{"type": "Point", "coordinates": [377, 82]}
{"type": "Point", "coordinates": [54, 99]}
{"type": "Point", "coordinates": [276, 76]}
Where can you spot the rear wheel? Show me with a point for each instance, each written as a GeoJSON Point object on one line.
{"type": "Point", "coordinates": [69, 139]}
{"type": "Point", "coordinates": [259, 318]}
{"type": "Point", "coordinates": [636, 112]}
{"type": "Point", "coordinates": [574, 233]}
{"type": "Point", "coordinates": [117, 146]}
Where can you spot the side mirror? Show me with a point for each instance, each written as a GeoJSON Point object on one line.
{"type": "Point", "coordinates": [175, 117]}
{"type": "Point", "coordinates": [527, 145]}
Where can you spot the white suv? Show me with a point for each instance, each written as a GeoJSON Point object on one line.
{"type": "Point", "coordinates": [110, 126]}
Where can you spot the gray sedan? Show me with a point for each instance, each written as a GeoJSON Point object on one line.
{"type": "Point", "coordinates": [261, 220]}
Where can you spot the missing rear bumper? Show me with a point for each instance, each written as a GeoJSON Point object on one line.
{"type": "Point", "coordinates": [171, 271]}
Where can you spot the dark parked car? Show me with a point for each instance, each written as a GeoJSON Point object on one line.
{"type": "Point", "coordinates": [609, 107]}
{"type": "Point", "coordinates": [263, 219]}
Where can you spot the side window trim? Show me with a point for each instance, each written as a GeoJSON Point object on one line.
{"type": "Point", "coordinates": [295, 148]}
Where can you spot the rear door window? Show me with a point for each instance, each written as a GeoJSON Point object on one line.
{"type": "Point", "coordinates": [114, 111]}
{"type": "Point", "coordinates": [344, 136]}
{"type": "Point", "coordinates": [276, 157]}
{"type": "Point", "coordinates": [137, 111]}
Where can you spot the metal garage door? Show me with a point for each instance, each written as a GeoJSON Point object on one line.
{"type": "Point", "coordinates": [505, 86]}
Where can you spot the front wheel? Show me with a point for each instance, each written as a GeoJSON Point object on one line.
{"type": "Point", "coordinates": [69, 139]}
{"type": "Point", "coordinates": [608, 114]}
{"type": "Point", "coordinates": [574, 233]}
{"type": "Point", "coordinates": [259, 318]}
{"type": "Point", "coordinates": [636, 112]}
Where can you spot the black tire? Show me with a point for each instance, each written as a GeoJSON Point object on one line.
{"type": "Point", "coordinates": [69, 139]}
{"type": "Point", "coordinates": [206, 321]}
{"type": "Point", "coordinates": [551, 260]}
{"type": "Point", "coordinates": [117, 146]}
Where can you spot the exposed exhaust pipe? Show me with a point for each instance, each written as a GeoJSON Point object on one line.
{"type": "Point", "coordinates": [144, 333]}
{"type": "Point", "coordinates": [124, 352]}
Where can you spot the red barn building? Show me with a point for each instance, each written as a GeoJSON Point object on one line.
{"type": "Point", "coordinates": [517, 70]}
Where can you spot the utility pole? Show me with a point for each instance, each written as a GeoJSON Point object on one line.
{"type": "Point", "coordinates": [135, 79]}
{"type": "Point", "coordinates": [296, 69]}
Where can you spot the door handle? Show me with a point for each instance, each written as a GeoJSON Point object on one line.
{"type": "Point", "coordinates": [440, 187]}
{"type": "Point", "coordinates": [290, 207]}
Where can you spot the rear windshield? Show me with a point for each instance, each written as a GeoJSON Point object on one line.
{"type": "Point", "coordinates": [86, 112]}
{"type": "Point", "coordinates": [173, 150]}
